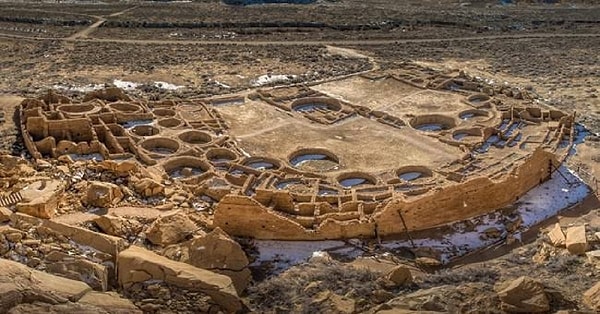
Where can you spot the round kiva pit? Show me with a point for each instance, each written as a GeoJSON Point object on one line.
{"type": "Point", "coordinates": [83, 109]}
{"type": "Point", "coordinates": [467, 135]}
{"type": "Point", "coordinates": [160, 145]}
{"type": "Point", "coordinates": [293, 185]}
{"type": "Point", "coordinates": [316, 103]}
{"type": "Point", "coordinates": [185, 167]}
{"type": "Point", "coordinates": [354, 179]}
{"type": "Point", "coordinates": [170, 122]}
{"type": "Point", "coordinates": [125, 107]}
{"type": "Point", "coordinates": [478, 99]}
{"type": "Point", "coordinates": [164, 112]}
{"type": "Point", "coordinates": [144, 130]}
{"type": "Point", "coordinates": [432, 123]}
{"type": "Point", "coordinates": [195, 137]}
{"type": "Point", "coordinates": [220, 155]}
{"type": "Point", "coordinates": [262, 163]}
{"type": "Point", "coordinates": [472, 114]}
{"type": "Point", "coordinates": [411, 173]}
{"type": "Point", "coordinates": [314, 159]}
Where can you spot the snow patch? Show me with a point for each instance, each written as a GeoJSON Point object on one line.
{"type": "Point", "coordinates": [271, 79]}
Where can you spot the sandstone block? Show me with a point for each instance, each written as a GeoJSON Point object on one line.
{"type": "Point", "coordinates": [170, 229]}
{"type": "Point", "coordinates": [591, 297]}
{"type": "Point", "coordinates": [217, 252]}
{"type": "Point", "coordinates": [40, 199]}
{"type": "Point", "coordinates": [576, 241]}
{"type": "Point", "coordinates": [136, 259]}
{"type": "Point", "coordinates": [102, 194]}
{"type": "Point", "coordinates": [556, 235]}
{"type": "Point", "coordinates": [523, 295]}
{"type": "Point", "coordinates": [400, 275]}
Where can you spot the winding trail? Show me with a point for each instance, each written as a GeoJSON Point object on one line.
{"type": "Point", "coordinates": [369, 42]}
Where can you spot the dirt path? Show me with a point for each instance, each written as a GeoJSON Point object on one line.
{"type": "Point", "coordinates": [373, 42]}
{"type": "Point", "coordinates": [99, 21]}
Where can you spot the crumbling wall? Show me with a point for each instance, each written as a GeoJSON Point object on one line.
{"type": "Point", "coordinates": [244, 216]}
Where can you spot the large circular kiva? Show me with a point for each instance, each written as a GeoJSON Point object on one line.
{"type": "Point", "coordinates": [125, 107]}
{"type": "Point", "coordinates": [411, 173]}
{"type": "Point", "coordinates": [315, 103]}
{"type": "Point", "coordinates": [262, 163]}
{"type": "Point", "coordinates": [314, 159]}
{"type": "Point", "coordinates": [433, 123]}
{"type": "Point", "coordinates": [355, 179]}
{"type": "Point", "coordinates": [195, 137]}
{"type": "Point", "coordinates": [160, 145]}
{"type": "Point", "coordinates": [185, 166]}
{"type": "Point", "coordinates": [144, 130]}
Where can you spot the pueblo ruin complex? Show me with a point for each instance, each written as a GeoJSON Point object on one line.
{"type": "Point", "coordinates": [372, 155]}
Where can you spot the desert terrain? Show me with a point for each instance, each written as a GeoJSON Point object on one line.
{"type": "Point", "coordinates": [328, 156]}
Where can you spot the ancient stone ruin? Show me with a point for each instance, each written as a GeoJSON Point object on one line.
{"type": "Point", "coordinates": [374, 155]}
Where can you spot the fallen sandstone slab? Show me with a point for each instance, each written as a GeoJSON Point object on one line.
{"type": "Point", "coordinates": [137, 265]}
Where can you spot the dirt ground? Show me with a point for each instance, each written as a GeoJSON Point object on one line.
{"type": "Point", "coordinates": [209, 48]}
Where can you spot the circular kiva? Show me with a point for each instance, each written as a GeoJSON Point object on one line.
{"type": "Point", "coordinates": [262, 163]}
{"type": "Point", "coordinates": [478, 99]}
{"type": "Point", "coordinates": [125, 107]}
{"type": "Point", "coordinates": [465, 135]}
{"type": "Point", "coordinates": [160, 145]}
{"type": "Point", "coordinates": [195, 137]}
{"type": "Point", "coordinates": [354, 179]}
{"type": "Point", "coordinates": [314, 159]}
{"type": "Point", "coordinates": [170, 122]}
{"type": "Point", "coordinates": [164, 112]}
{"type": "Point", "coordinates": [411, 173]}
{"type": "Point", "coordinates": [311, 104]}
{"type": "Point", "coordinates": [144, 130]}
{"type": "Point", "coordinates": [472, 114]}
{"type": "Point", "coordinates": [220, 155]}
{"type": "Point", "coordinates": [185, 167]}
{"type": "Point", "coordinates": [79, 110]}
{"type": "Point", "coordinates": [432, 123]}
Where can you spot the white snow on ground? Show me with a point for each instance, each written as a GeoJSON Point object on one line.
{"type": "Point", "coordinates": [126, 85]}
{"type": "Point", "coordinates": [549, 198]}
{"type": "Point", "coordinates": [87, 157]}
{"type": "Point", "coordinates": [268, 79]}
{"type": "Point", "coordinates": [79, 88]}
{"type": "Point", "coordinates": [167, 86]}
{"type": "Point", "coordinates": [542, 202]}
{"type": "Point", "coordinates": [221, 84]}
{"type": "Point", "coordinates": [284, 254]}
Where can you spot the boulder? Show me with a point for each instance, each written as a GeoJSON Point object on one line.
{"type": "Point", "coordinates": [523, 295]}
{"type": "Point", "coordinates": [137, 264]}
{"type": "Point", "coordinates": [18, 283]}
{"type": "Point", "coordinates": [40, 198]}
{"type": "Point", "coordinates": [94, 274]}
{"type": "Point", "coordinates": [400, 275]}
{"type": "Point", "coordinates": [110, 302]}
{"type": "Point", "coordinates": [120, 169]}
{"type": "Point", "coordinates": [5, 214]}
{"type": "Point", "coordinates": [117, 226]}
{"type": "Point", "coordinates": [148, 187]}
{"type": "Point", "coordinates": [102, 194]}
{"type": "Point", "coordinates": [170, 229]}
{"type": "Point", "coordinates": [320, 257]}
{"type": "Point", "coordinates": [556, 235]}
{"type": "Point", "coordinates": [576, 240]}
{"type": "Point", "coordinates": [591, 297]}
{"type": "Point", "coordinates": [217, 252]}
{"type": "Point", "coordinates": [101, 242]}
